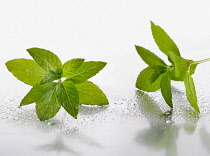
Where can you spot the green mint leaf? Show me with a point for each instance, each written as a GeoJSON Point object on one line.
{"type": "Point", "coordinates": [191, 92]}
{"type": "Point", "coordinates": [50, 76]}
{"type": "Point", "coordinates": [177, 61]}
{"type": "Point", "coordinates": [86, 71]}
{"type": "Point", "coordinates": [158, 70]}
{"type": "Point", "coordinates": [26, 71]}
{"type": "Point", "coordinates": [68, 97]}
{"type": "Point", "coordinates": [90, 94]}
{"type": "Point", "coordinates": [165, 86]}
{"type": "Point", "coordinates": [164, 42]}
{"type": "Point", "coordinates": [149, 58]}
{"type": "Point", "coordinates": [50, 96]}
{"type": "Point", "coordinates": [193, 68]}
{"type": "Point", "coordinates": [183, 70]}
{"type": "Point", "coordinates": [48, 106]}
{"type": "Point", "coordinates": [71, 67]}
{"type": "Point", "coordinates": [46, 59]}
{"type": "Point", "coordinates": [144, 80]}
{"type": "Point", "coordinates": [45, 98]}
{"type": "Point", "coordinates": [32, 96]}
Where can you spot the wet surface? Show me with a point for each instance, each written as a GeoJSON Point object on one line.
{"type": "Point", "coordinates": [139, 124]}
{"type": "Point", "coordinates": [135, 123]}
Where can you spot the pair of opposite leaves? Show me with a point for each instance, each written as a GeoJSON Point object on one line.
{"type": "Point", "coordinates": [46, 72]}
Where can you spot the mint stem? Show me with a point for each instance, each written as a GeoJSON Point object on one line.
{"type": "Point", "coordinates": [201, 61]}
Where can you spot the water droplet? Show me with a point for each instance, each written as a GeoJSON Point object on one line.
{"type": "Point", "coordinates": [15, 118]}
{"type": "Point", "coordinates": [4, 117]}
{"type": "Point", "coordinates": [51, 123]}
{"type": "Point", "coordinates": [167, 113]}
{"type": "Point", "coordinates": [11, 100]}
{"type": "Point", "coordinates": [169, 121]}
{"type": "Point", "coordinates": [12, 109]}
{"type": "Point", "coordinates": [75, 129]}
{"type": "Point", "coordinates": [118, 103]}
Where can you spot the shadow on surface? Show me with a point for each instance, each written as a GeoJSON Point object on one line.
{"type": "Point", "coordinates": [205, 138]}
{"type": "Point", "coordinates": [65, 136]}
{"type": "Point", "coordinates": [162, 133]}
{"type": "Point", "coordinates": [57, 145]}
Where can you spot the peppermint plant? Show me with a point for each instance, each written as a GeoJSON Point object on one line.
{"type": "Point", "coordinates": [158, 75]}
{"type": "Point", "coordinates": [56, 85]}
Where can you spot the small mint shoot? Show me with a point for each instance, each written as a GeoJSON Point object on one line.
{"type": "Point", "coordinates": [56, 85]}
{"type": "Point", "coordinates": [159, 75]}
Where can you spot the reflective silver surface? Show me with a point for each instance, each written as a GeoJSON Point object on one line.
{"type": "Point", "coordinates": [135, 123]}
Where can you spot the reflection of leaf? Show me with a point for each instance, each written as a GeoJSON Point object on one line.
{"type": "Point", "coordinates": [191, 118]}
{"type": "Point", "coordinates": [171, 150]}
{"type": "Point", "coordinates": [150, 109]}
{"type": "Point", "coordinates": [160, 137]}
{"type": "Point", "coordinates": [91, 110]}
{"type": "Point", "coordinates": [162, 134]}
{"type": "Point", "coordinates": [205, 138]}
{"type": "Point", "coordinates": [57, 145]}
{"type": "Point", "coordinates": [75, 134]}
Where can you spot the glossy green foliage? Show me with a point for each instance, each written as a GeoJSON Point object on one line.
{"type": "Point", "coordinates": [159, 75]}
{"type": "Point", "coordinates": [48, 94]}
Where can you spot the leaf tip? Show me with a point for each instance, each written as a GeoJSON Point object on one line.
{"type": "Point", "coordinates": [152, 23]}
{"type": "Point", "coordinates": [103, 64]}
{"type": "Point", "coordinates": [30, 49]}
{"type": "Point", "coordinates": [198, 110]}
{"type": "Point", "coordinates": [136, 46]}
{"type": "Point", "coordinates": [7, 65]}
{"type": "Point", "coordinates": [33, 50]}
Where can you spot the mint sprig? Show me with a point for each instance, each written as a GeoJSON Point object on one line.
{"type": "Point", "coordinates": [48, 94]}
{"type": "Point", "coordinates": [159, 75]}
